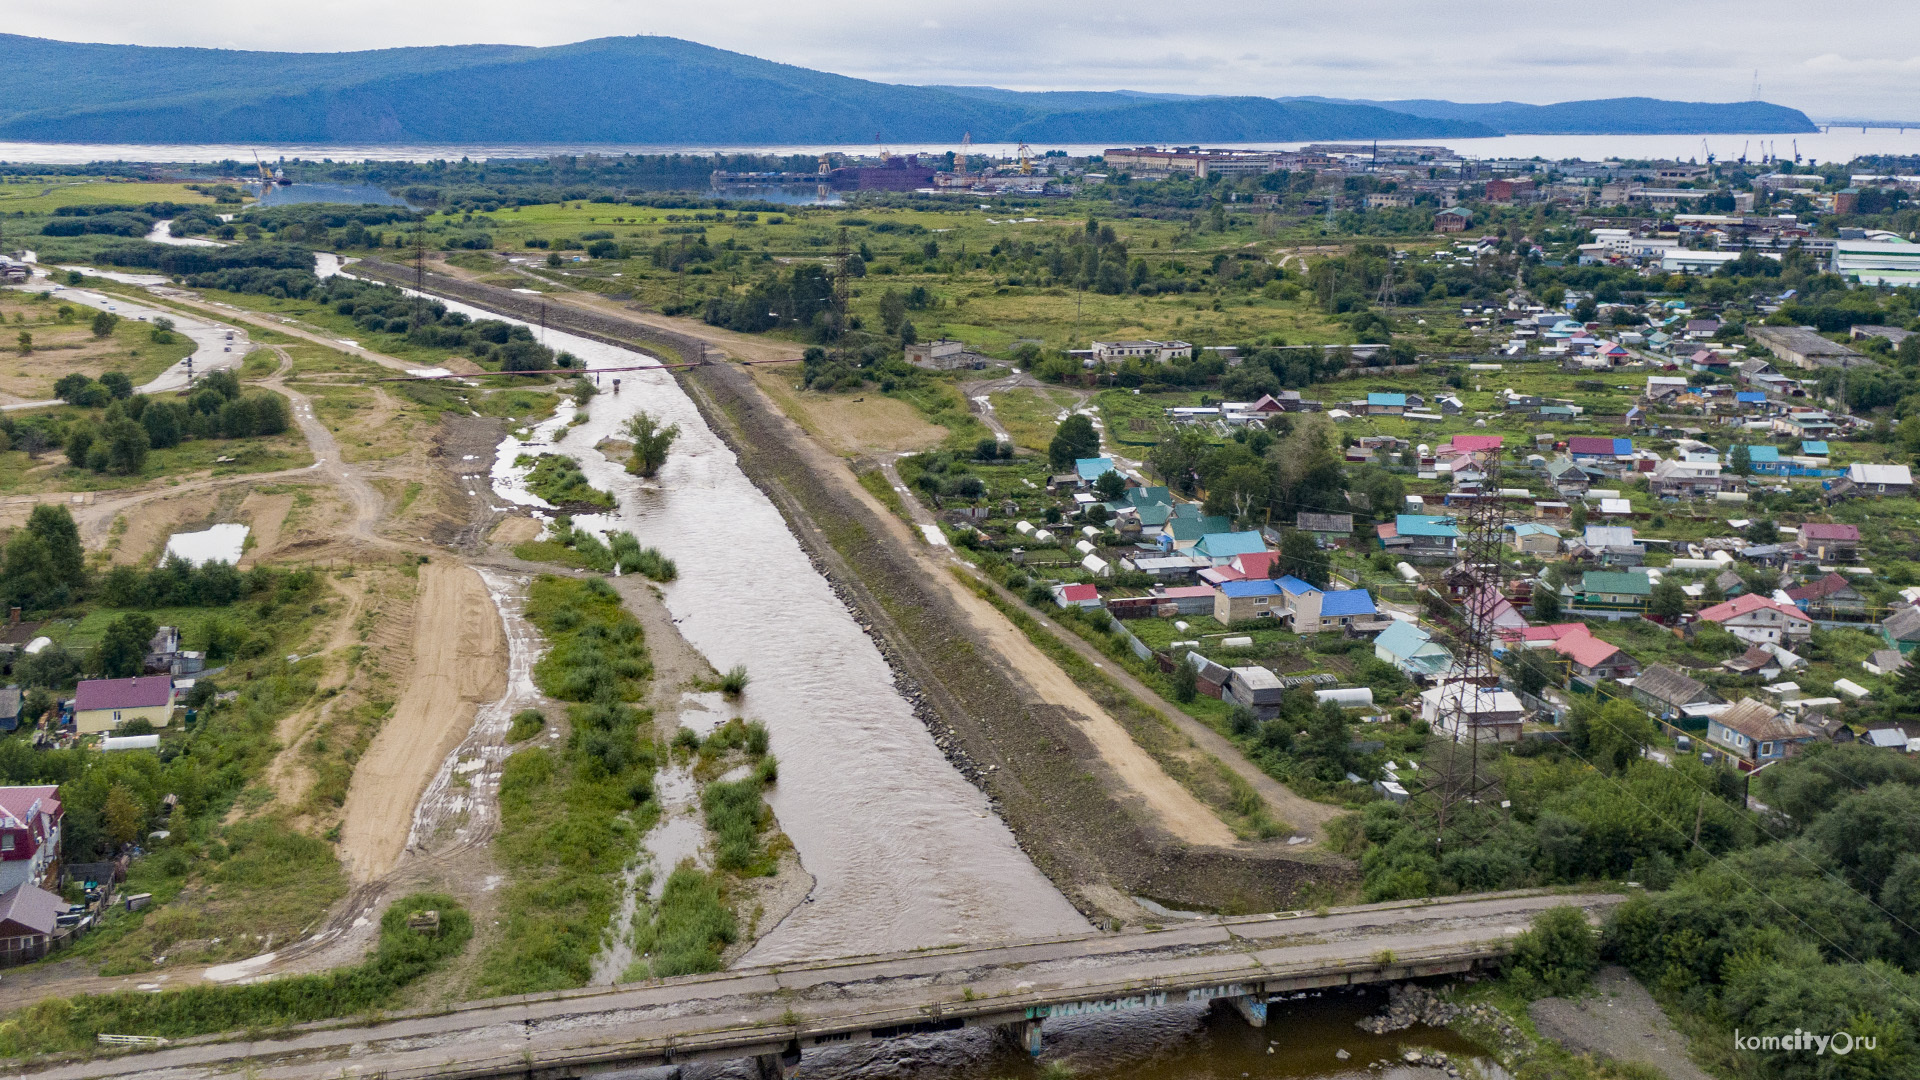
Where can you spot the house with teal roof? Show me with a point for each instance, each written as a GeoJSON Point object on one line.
{"type": "Point", "coordinates": [1413, 651]}
{"type": "Point", "coordinates": [1222, 547]}
{"type": "Point", "coordinates": [1182, 532]}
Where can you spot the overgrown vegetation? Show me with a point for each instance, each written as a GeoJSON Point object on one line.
{"type": "Point", "coordinates": [402, 957]}
{"type": "Point", "coordinates": [557, 479]}
{"type": "Point", "coordinates": [572, 815]}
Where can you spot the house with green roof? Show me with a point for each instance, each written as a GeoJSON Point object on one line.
{"type": "Point", "coordinates": [1182, 533]}
{"type": "Point", "coordinates": [1613, 589]}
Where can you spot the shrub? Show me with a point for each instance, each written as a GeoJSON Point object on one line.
{"type": "Point", "coordinates": [1557, 956]}
{"type": "Point", "coordinates": [734, 682]}
{"type": "Point", "coordinates": [526, 724]}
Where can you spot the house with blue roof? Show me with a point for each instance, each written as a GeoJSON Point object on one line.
{"type": "Point", "coordinates": [1305, 607]}
{"type": "Point", "coordinates": [1767, 461]}
{"type": "Point", "coordinates": [1253, 598]}
{"type": "Point", "coordinates": [1386, 404]}
{"type": "Point", "coordinates": [1413, 651]}
{"type": "Point", "coordinates": [1815, 448]}
{"type": "Point", "coordinates": [1093, 468]}
{"type": "Point", "coordinates": [1221, 548]}
{"type": "Point", "coordinates": [1418, 536]}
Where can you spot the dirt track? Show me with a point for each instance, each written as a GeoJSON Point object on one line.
{"type": "Point", "coordinates": [459, 654]}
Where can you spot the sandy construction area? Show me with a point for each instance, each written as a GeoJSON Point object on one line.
{"type": "Point", "coordinates": [459, 661]}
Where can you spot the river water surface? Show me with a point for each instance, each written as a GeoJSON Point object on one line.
{"type": "Point", "coordinates": [904, 852]}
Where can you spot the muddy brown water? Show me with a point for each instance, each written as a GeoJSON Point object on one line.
{"type": "Point", "coordinates": [904, 852]}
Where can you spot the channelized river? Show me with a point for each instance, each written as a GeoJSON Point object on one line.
{"type": "Point", "coordinates": [904, 852]}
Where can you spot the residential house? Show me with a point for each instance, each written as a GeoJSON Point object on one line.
{"type": "Point", "coordinates": [1183, 599]}
{"type": "Point", "coordinates": [1806, 424]}
{"type": "Point", "coordinates": [1527, 538]}
{"type": "Point", "coordinates": [1080, 596]}
{"type": "Point", "coordinates": [1598, 448]}
{"type": "Point", "coordinates": [1463, 710]}
{"type": "Point", "coordinates": [1413, 651]}
{"type": "Point", "coordinates": [1613, 589]}
{"type": "Point", "coordinates": [1387, 404]}
{"type": "Point", "coordinates": [1759, 619]}
{"type": "Point", "coordinates": [1568, 478]}
{"type": "Point", "coordinates": [1902, 629]}
{"type": "Point", "coordinates": [1181, 533]}
{"type": "Point", "coordinates": [1665, 387]}
{"type": "Point", "coordinates": [1830, 542]}
{"type": "Point", "coordinates": [1419, 536]}
{"type": "Point", "coordinates": [1731, 583]}
{"type": "Point", "coordinates": [1211, 676]}
{"type": "Point", "coordinates": [1476, 444]}
{"type": "Point", "coordinates": [29, 916]}
{"type": "Point", "coordinates": [31, 822]}
{"type": "Point", "coordinates": [1255, 564]}
{"type": "Point", "coordinates": [1238, 601]}
{"type": "Point", "coordinates": [1327, 529]}
{"type": "Point", "coordinates": [1091, 469]}
{"type": "Point", "coordinates": [1863, 479]}
{"type": "Point", "coordinates": [1756, 734]}
{"type": "Point", "coordinates": [1309, 609]}
{"type": "Point", "coordinates": [1256, 688]}
{"type": "Point", "coordinates": [1668, 694]}
{"type": "Point", "coordinates": [1592, 659]}
{"type": "Point", "coordinates": [1221, 548]}
{"type": "Point", "coordinates": [106, 704]}
{"type": "Point", "coordinates": [1688, 479]}
{"type": "Point", "coordinates": [1614, 545]}
{"type": "Point", "coordinates": [1553, 513]}
{"type": "Point", "coordinates": [1829, 597]}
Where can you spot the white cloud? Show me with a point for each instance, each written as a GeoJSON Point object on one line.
{"type": "Point", "coordinates": [1467, 50]}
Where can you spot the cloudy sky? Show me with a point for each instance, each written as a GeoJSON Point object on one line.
{"type": "Point", "coordinates": [1860, 60]}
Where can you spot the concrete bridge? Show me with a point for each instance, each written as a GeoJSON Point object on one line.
{"type": "Point", "coordinates": [778, 1014]}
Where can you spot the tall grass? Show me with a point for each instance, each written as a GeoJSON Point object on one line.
{"type": "Point", "coordinates": [404, 955]}
{"type": "Point", "coordinates": [557, 478]}
{"type": "Point", "coordinates": [572, 816]}
{"type": "Point", "coordinates": [634, 559]}
{"type": "Point", "coordinates": [686, 931]}
{"type": "Point", "coordinates": [734, 682]}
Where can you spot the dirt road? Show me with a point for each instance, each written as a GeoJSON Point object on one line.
{"type": "Point", "coordinates": [459, 656]}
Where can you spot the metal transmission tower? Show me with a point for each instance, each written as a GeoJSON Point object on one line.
{"type": "Point", "coordinates": [419, 316]}
{"type": "Point", "coordinates": [1455, 799]}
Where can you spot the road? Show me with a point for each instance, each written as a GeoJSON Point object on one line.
{"type": "Point", "coordinates": [213, 350]}
{"type": "Point", "coordinates": [759, 1010]}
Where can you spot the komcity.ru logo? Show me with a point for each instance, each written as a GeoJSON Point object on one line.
{"type": "Point", "coordinates": [1840, 1043]}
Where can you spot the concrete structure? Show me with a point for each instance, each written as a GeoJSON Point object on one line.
{"type": "Point", "coordinates": [942, 355]}
{"type": "Point", "coordinates": [778, 1014]}
{"type": "Point", "coordinates": [1802, 346]}
{"type": "Point", "coordinates": [106, 704]}
{"type": "Point", "coordinates": [1113, 352]}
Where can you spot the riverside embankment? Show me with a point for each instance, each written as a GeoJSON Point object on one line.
{"type": "Point", "coordinates": [1044, 776]}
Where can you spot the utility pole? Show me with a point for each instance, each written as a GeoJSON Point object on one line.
{"type": "Point", "coordinates": [419, 277]}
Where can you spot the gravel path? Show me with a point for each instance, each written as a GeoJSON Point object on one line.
{"type": "Point", "coordinates": [1621, 1021]}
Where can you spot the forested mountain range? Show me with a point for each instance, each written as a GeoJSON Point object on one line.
{"type": "Point", "coordinates": [665, 91]}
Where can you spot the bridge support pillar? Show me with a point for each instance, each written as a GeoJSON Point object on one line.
{"type": "Point", "coordinates": [1023, 1033]}
{"type": "Point", "coordinates": [780, 1066]}
{"type": "Point", "coordinates": [1252, 1009]}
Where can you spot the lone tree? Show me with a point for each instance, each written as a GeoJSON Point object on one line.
{"type": "Point", "coordinates": [1668, 601]}
{"type": "Point", "coordinates": [1076, 439]}
{"type": "Point", "coordinates": [1740, 462]}
{"type": "Point", "coordinates": [650, 443]}
{"type": "Point", "coordinates": [104, 322]}
{"type": "Point", "coordinates": [1301, 556]}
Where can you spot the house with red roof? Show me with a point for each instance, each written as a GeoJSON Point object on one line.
{"type": "Point", "coordinates": [1470, 444]}
{"type": "Point", "coordinates": [105, 704]}
{"type": "Point", "coordinates": [1247, 566]}
{"type": "Point", "coordinates": [1079, 595]}
{"type": "Point", "coordinates": [1830, 542]}
{"type": "Point", "coordinates": [1590, 658]}
{"type": "Point", "coordinates": [30, 822]}
{"type": "Point", "coordinates": [1759, 619]}
{"type": "Point", "coordinates": [1828, 596]}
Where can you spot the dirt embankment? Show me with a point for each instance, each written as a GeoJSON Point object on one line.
{"type": "Point", "coordinates": [459, 656]}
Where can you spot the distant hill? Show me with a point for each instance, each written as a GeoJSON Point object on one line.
{"type": "Point", "coordinates": [665, 91]}
{"type": "Point", "coordinates": [1609, 116]}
